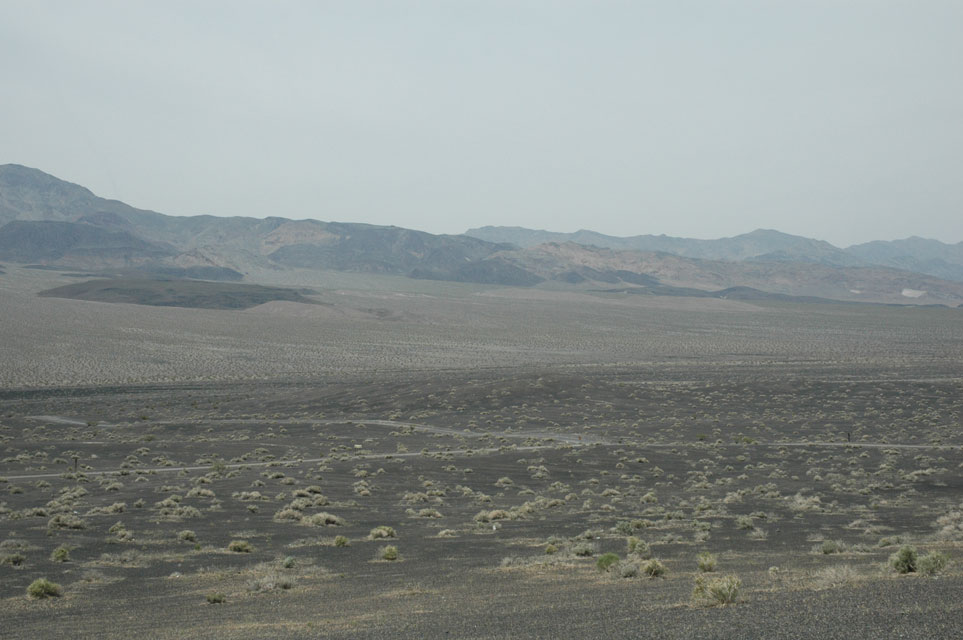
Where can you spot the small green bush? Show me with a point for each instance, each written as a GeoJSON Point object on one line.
{"type": "Point", "coordinates": [240, 546]}
{"type": "Point", "coordinates": [707, 562]}
{"type": "Point", "coordinates": [43, 588]}
{"type": "Point", "coordinates": [61, 554]}
{"type": "Point", "coordinates": [932, 563]}
{"type": "Point", "coordinates": [388, 552]}
{"type": "Point", "coordinates": [288, 562]}
{"type": "Point", "coordinates": [341, 541]}
{"type": "Point", "coordinates": [606, 560]}
{"type": "Point", "coordinates": [187, 535]}
{"type": "Point", "coordinates": [215, 598]}
{"type": "Point", "coordinates": [550, 549]}
{"type": "Point", "coordinates": [905, 560]}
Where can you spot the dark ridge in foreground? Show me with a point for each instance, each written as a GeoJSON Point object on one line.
{"type": "Point", "coordinates": [177, 293]}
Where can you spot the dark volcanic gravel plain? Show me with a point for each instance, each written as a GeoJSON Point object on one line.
{"type": "Point", "coordinates": [500, 490]}
{"type": "Point", "coordinates": [411, 459]}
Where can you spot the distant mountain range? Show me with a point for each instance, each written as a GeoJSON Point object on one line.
{"type": "Point", "coordinates": [930, 257]}
{"type": "Point", "coordinates": [48, 222]}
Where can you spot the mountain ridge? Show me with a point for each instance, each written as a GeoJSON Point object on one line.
{"type": "Point", "coordinates": [50, 222]}
{"type": "Point", "coordinates": [921, 255]}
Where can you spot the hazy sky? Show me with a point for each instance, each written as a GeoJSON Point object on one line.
{"type": "Point", "coordinates": [835, 119]}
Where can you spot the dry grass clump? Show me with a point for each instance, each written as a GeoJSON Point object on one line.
{"type": "Point", "coordinates": [240, 546]}
{"type": "Point", "coordinates": [13, 559]}
{"type": "Point", "coordinates": [117, 507]}
{"type": "Point", "coordinates": [951, 525]}
{"type": "Point", "coordinates": [836, 576]}
{"type": "Point", "coordinates": [288, 514]}
{"type": "Point", "coordinates": [172, 508]}
{"type": "Point", "coordinates": [638, 548]}
{"type": "Point", "coordinates": [493, 515]}
{"type": "Point", "coordinates": [271, 576]}
{"type": "Point", "coordinates": [324, 519]}
{"type": "Point", "coordinates": [802, 504]}
{"type": "Point", "coordinates": [381, 531]}
{"type": "Point", "coordinates": [66, 521]}
{"type": "Point", "coordinates": [706, 562]}
{"type": "Point", "coordinates": [653, 568]}
{"type": "Point", "coordinates": [120, 531]}
{"type": "Point", "coordinates": [720, 591]}
{"type": "Point", "coordinates": [828, 547]}
{"type": "Point", "coordinates": [249, 496]}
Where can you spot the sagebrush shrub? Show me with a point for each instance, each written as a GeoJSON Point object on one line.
{"type": "Point", "coordinates": [828, 547]}
{"type": "Point", "coordinates": [904, 560]}
{"type": "Point", "coordinates": [707, 562]}
{"type": "Point", "coordinates": [932, 563]}
{"type": "Point", "coordinates": [240, 546]}
{"type": "Point", "coordinates": [61, 554]}
{"type": "Point", "coordinates": [629, 569]}
{"type": "Point", "coordinates": [638, 548]}
{"type": "Point", "coordinates": [606, 561]}
{"type": "Point", "coordinates": [43, 588]}
{"type": "Point", "coordinates": [653, 568]}
{"type": "Point", "coordinates": [388, 552]}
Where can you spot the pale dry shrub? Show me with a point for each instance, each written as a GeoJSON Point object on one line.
{"type": "Point", "coordinates": [836, 576]}
{"type": "Point", "coordinates": [381, 531]}
{"type": "Point", "coordinates": [324, 519]}
{"type": "Point", "coordinates": [801, 503]}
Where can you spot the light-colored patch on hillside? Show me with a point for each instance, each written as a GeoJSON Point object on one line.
{"type": "Point", "coordinates": [912, 293]}
{"type": "Point", "coordinates": [296, 232]}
